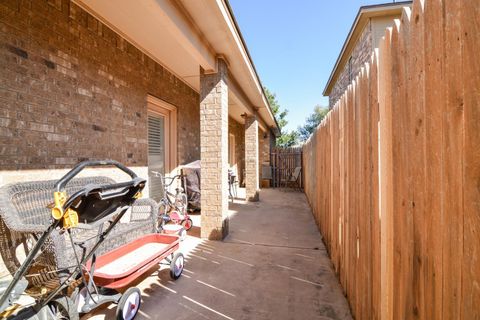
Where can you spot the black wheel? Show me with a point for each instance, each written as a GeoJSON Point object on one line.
{"type": "Point", "coordinates": [187, 224]}
{"type": "Point", "coordinates": [129, 304]}
{"type": "Point", "coordinates": [63, 308]}
{"type": "Point", "coordinates": [176, 266]}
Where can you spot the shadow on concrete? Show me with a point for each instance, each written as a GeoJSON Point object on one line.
{"type": "Point", "coordinates": [272, 265]}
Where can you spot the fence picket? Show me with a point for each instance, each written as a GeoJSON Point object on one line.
{"type": "Point", "coordinates": [470, 12]}
{"type": "Point", "coordinates": [434, 212]}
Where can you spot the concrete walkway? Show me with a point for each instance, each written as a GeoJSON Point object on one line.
{"type": "Point", "coordinates": [273, 265]}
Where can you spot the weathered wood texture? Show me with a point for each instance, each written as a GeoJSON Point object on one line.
{"type": "Point", "coordinates": [393, 172]}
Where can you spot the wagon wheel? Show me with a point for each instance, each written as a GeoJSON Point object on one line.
{"type": "Point", "coordinates": [129, 304]}
{"type": "Point", "coordinates": [176, 266]}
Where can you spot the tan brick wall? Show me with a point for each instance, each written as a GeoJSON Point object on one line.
{"type": "Point", "coordinates": [214, 152]}
{"type": "Point", "coordinates": [238, 130]}
{"type": "Point", "coordinates": [71, 88]}
{"type": "Point", "coordinates": [360, 54]}
{"type": "Point", "coordinates": [251, 158]}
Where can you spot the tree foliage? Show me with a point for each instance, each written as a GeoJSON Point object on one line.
{"type": "Point", "coordinates": [312, 122]}
{"type": "Point", "coordinates": [287, 138]}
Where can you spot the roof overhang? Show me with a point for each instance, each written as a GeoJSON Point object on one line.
{"type": "Point", "coordinates": [364, 14]}
{"type": "Point", "coordinates": [184, 35]}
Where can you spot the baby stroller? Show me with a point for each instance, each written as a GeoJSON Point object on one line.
{"type": "Point", "coordinates": [62, 271]}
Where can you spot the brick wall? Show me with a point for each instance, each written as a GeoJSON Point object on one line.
{"type": "Point", "coordinates": [71, 88]}
{"type": "Point", "coordinates": [360, 55]}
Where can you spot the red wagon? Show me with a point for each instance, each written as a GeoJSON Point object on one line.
{"type": "Point", "coordinates": [118, 268]}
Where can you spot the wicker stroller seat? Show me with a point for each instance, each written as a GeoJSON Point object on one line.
{"type": "Point", "coordinates": [24, 215]}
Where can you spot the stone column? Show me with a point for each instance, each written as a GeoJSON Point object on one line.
{"type": "Point", "coordinates": [251, 158]}
{"type": "Point", "coordinates": [214, 152]}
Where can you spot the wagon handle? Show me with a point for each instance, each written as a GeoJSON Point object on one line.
{"type": "Point", "coordinates": [60, 185]}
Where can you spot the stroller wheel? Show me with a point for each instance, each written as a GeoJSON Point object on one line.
{"type": "Point", "coordinates": [129, 304]}
{"type": "Point", "coordinates": [63, 308]}
{"type": "Point", "coordinates": [187, 224]}
{"type": "Point", "coordinates": [176, 266]}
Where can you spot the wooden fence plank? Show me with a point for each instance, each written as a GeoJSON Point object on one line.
{"type": "Point", "coordinates": [434, 212]}
{"type": "Point", "coordinates": [453, 163]}
{"type": "Point", "coordinates": [386, 174]}
{"type": "Point", "coordinates": [356, 204]}
{"type": "Point", "coordinates": [416, 127]}
{"type": "Point", "coordinates": [401, 239]}
{"type": "Point", "coordinates": [375, 271]}
{"type": "Point", "coordinates": [470, 13]}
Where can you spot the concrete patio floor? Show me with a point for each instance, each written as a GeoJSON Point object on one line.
{"type": "Point", "coordinates": [273, 265]}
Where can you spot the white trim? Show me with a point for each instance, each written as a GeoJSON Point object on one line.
{"type": "Point", "coordinates": [162, 103]}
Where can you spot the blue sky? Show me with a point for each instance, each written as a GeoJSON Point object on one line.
{"type": "Point", "coordinates": [294, 45]}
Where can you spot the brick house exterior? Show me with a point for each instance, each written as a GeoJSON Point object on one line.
{"type": "Point", "coordinates": [357, 59]}
{"type": "Point", "coordinates": [363, 38]}
{"type": "Point", "coordinates": [77, 79]}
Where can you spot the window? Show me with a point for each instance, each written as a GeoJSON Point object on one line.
{"type": "Point", "coordinates": [162, 146]}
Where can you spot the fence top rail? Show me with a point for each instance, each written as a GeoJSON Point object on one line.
{"type": "Point", "coordinates": [287, 150]}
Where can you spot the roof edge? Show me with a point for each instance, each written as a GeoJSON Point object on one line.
{"type": "Point", "coordinates": [237, 29]}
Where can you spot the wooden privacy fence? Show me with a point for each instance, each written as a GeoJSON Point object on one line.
{"type": "Point", "coordinates": [393, 173]}
{"type": "Point", "coordinates": [284, 161]}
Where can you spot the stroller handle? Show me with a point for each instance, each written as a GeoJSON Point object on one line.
{"type": "Point", "coordinates": [60, 185]}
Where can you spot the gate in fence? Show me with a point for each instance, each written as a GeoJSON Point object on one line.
{"type": "Point", "coordinates": [285, 162]}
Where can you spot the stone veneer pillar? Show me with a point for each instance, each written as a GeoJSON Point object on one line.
{"type": "Point", "coordinates": [214, 152]}
{"type": "Point", "coordinates": [251, 158]}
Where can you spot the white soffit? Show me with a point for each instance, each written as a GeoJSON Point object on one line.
{"type": "Point", "coordinates": [160, 30]}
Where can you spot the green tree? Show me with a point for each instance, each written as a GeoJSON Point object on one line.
{"type": "Point", "coordinates": [312, 122]}
{"type": "Point", "coordinates": [286, 138]}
